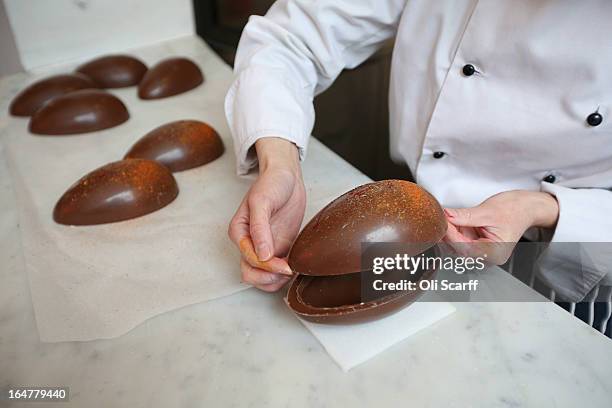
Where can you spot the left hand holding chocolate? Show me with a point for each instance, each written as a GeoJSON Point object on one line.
{"type": "Point", "coordinates": [498, 223]}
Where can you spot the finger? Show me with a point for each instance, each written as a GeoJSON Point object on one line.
{"type": "Point", "coordinates": [261, 233]}
{"type": "Point", "coordinates": [274, 287]}
{"type": "Point", "coordinates": [469, 232]}
{"type": "Point", "coordinates": [468, 217]}
{"type": "Point", "coordinates": [276, 265]}
{"type": "Point", "coordinates": [489, 233]}
{"type": "Point", "coordinates": [454, 234]}
{"type": "Point", "coordinates": [239, 225]}
{"type": "Point", "coordinates": [258, 277]}
{"type": "Point", "coordinates": [496, 253]}
{"type": "Point", "coordinates": [459, 243]}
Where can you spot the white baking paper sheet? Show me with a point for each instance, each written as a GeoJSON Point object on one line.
{"type": "Point", "coordinates": [354, 344]}
{"type": "Point", "coordinates": [101, 281]}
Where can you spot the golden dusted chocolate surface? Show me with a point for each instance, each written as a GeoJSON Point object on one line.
{"type": "Point", "coordinates": [179, 145]}
{"type": "Point", "coordinates": [384, 211]}
{"type": "Point", "coordinates": [115, 192]}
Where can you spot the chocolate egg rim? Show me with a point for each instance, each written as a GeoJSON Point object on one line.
{"type": "Point", "coordinates": [307, 311]}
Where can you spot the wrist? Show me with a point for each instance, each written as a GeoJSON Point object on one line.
{"type": "Point", "coordinates": [275, 152]}
{"type": "Point", "coordinates": [543, 208]}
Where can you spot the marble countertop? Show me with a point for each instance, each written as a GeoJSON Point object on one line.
{"type": "Point", "coordinates": [249, 350]}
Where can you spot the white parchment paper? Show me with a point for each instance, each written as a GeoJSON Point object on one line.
{"type": "Point", "coordinates": [101, 281]}
{"type": "Point", "coordinates": [354, 344]}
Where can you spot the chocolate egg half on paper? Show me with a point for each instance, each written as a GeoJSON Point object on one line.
{"type": "Point", "coordinates": [327, 253]}
{"type": "Point", "coordinates": [32, 98]}
{"type": "Point", "coordinates": [179, 145]}
{"type": "Point", "coordinates": [170, 77]}
{"type": "Point", "coordinates": [115, 192]}
{"type": "Point", "coordinates": [82, 111]}
{"type": "Point", "coordinates": [114, 71]}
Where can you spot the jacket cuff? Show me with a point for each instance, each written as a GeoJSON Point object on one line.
{"type": "Point", "coordinates": [262, 103]}
{"type": "Point", "coordinates": [578, 257]}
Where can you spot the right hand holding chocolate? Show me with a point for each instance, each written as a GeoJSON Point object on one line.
{"type": "Point", "coordinates": [270, 215]}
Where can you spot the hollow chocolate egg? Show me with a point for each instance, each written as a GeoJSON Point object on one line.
{"type": "Point", "coordinates": [326, 257]}
{"type": "Point", "coordinates": [81, 111]}
{"type": "Point", "coordinates": [179, 145]}
{"type": "Point", "coordinates": [115, 192]}
{"type": "Point", "coordinates": [32, 98]}
{"type": "Point", "coordinates": [114, 71]}
{"type": "Point", "coordinates": [169, 77]}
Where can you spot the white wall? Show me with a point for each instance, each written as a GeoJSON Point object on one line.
{"type": "Point", "coordinates": [54, 31]}
{"type": "Point", "coordinates": [9, 57]}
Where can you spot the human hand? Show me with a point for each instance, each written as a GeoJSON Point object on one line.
{"type": "Point", "coordinates": [270, 215]}
{"type": "Point", "coordinates": [498, 223]}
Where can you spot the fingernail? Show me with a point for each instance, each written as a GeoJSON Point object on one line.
{"type": "Point", "coordinates": [450, 213]}
{"type": "Point", "coordinates": [286, 271]}
{"type": "Point", "coordinates": [263, 252]}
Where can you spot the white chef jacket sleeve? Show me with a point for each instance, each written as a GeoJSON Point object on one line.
{"type": "Point", "coordinates": [292, 53]}
{"type": "Point", "coordinates": [579, 255]}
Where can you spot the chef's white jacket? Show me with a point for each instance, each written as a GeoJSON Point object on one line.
{"type": "Point", "coordinates": [541, 68]}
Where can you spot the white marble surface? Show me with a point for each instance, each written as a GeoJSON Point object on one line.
{"type": "Point", "coordinates": [249, 350]}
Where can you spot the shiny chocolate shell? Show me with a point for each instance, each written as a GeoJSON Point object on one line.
{"type": "Point", "coordinates": [384, 211]}
{"type": "Point", "coordinates": [79, 112]}
{"type": "Point", "coordinates": [170, 77]}
{"type": "Point", "coordinates": [327, 255]}
{"type": "Point", "coordinates": [338, 299]}
{"type": "Point", "coordinates": [115, 192]}
{"type": "Point", "coordinates": [32, 98]}
{"type": "Point", "coordinates": [179, 145]}
{"type": "Point", "coordinates": [114, 71]}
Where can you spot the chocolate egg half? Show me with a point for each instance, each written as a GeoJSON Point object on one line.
{"type": "Point", "coordinates": [115, 192]}
{"type": "Point", "coordinates": [179, 145]}
{"type": "Point", "coordinates": [114, 71]}
{"type": "Point", "coordinates": [327, 253]}
{"type": "Point", "coordinates": [79, 112]}
{"type": "Point", "coordinates": [169, 77]}
{"type": "Point", "coordinates": [39, 93]}
{"type": "Point", "coordinates": [384, 211]}
{"type": "Point", "coordinates": [337, 299]}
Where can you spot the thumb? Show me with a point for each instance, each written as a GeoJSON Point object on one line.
{"type": "Point", "coordinates": [467, 217]}
{"type": "Point", "coordinates": [260, 230]}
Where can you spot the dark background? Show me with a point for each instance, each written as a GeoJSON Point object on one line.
{"type": "Point", "coordinates": [352, 116]}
